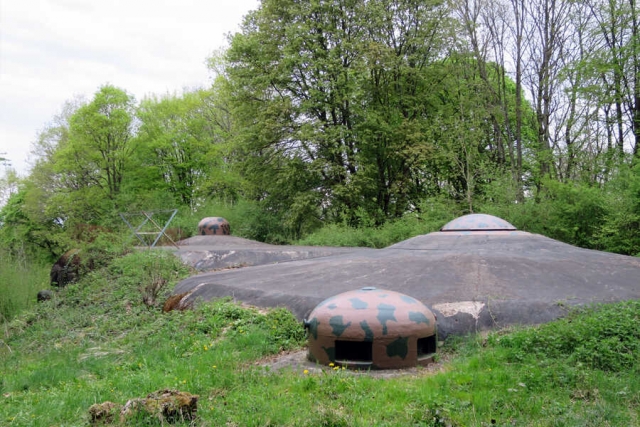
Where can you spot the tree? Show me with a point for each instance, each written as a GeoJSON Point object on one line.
{"type": "Point", "coordinates": [617, 64]}
{"type": "Point", "coordinates": [8, 185]}
{"type": "Point", "coordinates": [181, 140]}
{"type": "Point", "coordinates": [100, 142]}
{"type": "Point", "coordinates": [404, 51]}
{"type": "Point", "coordinates": [333, 95]}
{"type": "Point", "coordinates": [494, 33]}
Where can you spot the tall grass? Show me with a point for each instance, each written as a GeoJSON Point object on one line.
{"type": "Point", "coordinates": [20, 283]}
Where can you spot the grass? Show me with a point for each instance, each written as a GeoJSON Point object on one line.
{"type": "Point", "coordinates": [19, 285]}
{"type": "Point", "coordinates": [97, 341]}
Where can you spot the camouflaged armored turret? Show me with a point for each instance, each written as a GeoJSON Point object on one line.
{"type": "Point", "coordinates": [371, 328]}
{"type": "Point", "coordinates": [214, 226]}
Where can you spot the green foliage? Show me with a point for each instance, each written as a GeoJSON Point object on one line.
{"type": "Point", "coordinates": [569, 212]}
{"type": "Point", "coordinates": [182, 146]}
{"type": "Point", "coordinates": [248, 219]}
{"type": "Point", "coordinates": [620, 228]}
{"type": "Point", "coordinates": [19, 284]}
{"type": "Point", "coordinates": [99, 145]}
{"type": "Point", "coordinates": [277, 329]}
{"type": "Point", "coordinates": [432, 215]}
{"type": "Point", "coordinates": [348, 116]}
{"type": "Point", "coordinates": [603, 337]}
{"type": "Point", "coordinates": [333, 114]}
{"type": "Point", "coordinates": [604, 218]}
{"type": "Point", "coordinates": [143, 269]}
{"type": "Point", "coordinates": [27, 231]}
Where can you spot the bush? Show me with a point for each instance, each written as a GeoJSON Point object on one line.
{"type": "Point", "coordinates": [604, 337]}
{"type": "Point", "coordinates": [278, 328]}
{"type": "Point", "coordinates": [150, 272]}
{"type": "Point", "coordinates": [620, 228]}
{"type": "Point", "coordinates": [432, 215]}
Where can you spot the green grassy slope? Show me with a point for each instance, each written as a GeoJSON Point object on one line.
{"type": "Point", "coordinates": [97, 341]}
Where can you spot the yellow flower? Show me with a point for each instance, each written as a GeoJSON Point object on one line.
{"type": "Point", "coordinates": [306, 371]}
{"type": "Point", "coordinates": [336, 368]}
{"type": "Point", "coordinates": [331, 364]}
{"type": "Point", "coordinates": [206, 348]}
{"type": "Point", "coordinates": [214, 367]}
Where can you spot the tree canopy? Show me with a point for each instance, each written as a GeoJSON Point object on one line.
{"type": "Point", "coordinates": [362, 113]}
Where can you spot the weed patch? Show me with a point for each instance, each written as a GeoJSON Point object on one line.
{"type": "Point", "coordinates": [604, 337]}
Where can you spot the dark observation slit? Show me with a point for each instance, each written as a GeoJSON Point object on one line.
{"type": "Point", "coordinates": [356, 351]}
{"type": "Point", "coordinates": [426, 345]}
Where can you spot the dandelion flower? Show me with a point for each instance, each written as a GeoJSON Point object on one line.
{"type": "Point", "coordinates": [306, 371]}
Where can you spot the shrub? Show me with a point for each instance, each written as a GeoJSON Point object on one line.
{"type": "Point", "coordinates": [604, 337]}
{"type": "Point", "coordinates": [430, 217]}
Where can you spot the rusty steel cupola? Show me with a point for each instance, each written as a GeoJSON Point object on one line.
{"type": "Point", "coordinates": [371, 328]}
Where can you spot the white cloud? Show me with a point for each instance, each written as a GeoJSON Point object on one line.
{"type": "Point", "coordinates": [52, 50]}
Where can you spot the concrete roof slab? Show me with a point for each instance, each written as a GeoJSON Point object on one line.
{"type": "Point", "coordinates": [509, 277]}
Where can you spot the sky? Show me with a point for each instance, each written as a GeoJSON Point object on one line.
{"type": "Point", "coordinates": [52, 51]}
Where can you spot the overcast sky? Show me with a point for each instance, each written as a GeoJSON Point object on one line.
{"type": "Point", "coordinates": [53, 50]}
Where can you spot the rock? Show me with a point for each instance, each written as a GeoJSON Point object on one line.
{"type": "Point", "coordinates": [103, 413]}
{"type": "Point", "coordinates": [66, 269]}
{"type": "Point", "coordinates": [177, 302]}
{"type": "Point", "coordinates": [166, 406]}
{"type": "Point", "coordinates": [169, 406]}
{"type": "Point", "coordinates": [45, 295]}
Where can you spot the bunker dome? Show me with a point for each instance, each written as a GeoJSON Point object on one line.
{"type": "Point", "coordinates": [478, 222]}
{"type": "Point", "coordinates": [371, 328]}
{"type": "Point", "coordinates": [214, 226]}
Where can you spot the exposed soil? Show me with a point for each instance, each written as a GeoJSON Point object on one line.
{"type": "Point", "coordinates": [297, 361]}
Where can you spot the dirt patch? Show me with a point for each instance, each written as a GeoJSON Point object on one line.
{"type": "Point", "coordinates": [297, 361]}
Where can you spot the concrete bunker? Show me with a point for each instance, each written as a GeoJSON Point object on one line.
{"type": "Point", "coordinates": [372, 328]}
{"type": "Point", "coordinates": [473, 277]}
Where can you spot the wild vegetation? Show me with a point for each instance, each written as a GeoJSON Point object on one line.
{"type": "Point", "coordinates": [97, 341]}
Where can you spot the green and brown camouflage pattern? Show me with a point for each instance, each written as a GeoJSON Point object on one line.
{"type": "Point", "coordinates": [371, 328]}
{"type": "Point", "coordinates": [214, 226]}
